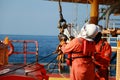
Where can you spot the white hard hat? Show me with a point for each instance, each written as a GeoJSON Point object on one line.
{"type": "Point", "coordinates": [89, 31]}
{"type": "Point", "coordinates": [100, 28]}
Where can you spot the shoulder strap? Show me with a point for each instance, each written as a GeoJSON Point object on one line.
{"type": "Point", "coordinates": [103, 43]}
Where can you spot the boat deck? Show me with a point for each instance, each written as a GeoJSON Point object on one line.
{"type": "Point", "coordinates": [20, 71]}
{"type": "Point", "coordinates": [33, 71]}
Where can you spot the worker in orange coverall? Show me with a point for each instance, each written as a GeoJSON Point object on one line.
{"type": "Point", "coordinates": [82, 49]}
{"type": "Point", "coordinates": [102, 57]}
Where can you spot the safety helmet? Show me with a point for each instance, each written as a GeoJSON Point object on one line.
{"type": "Point", "coordinates": [100, 28]}
{"type": "Point", "coordinates": [89, 31]}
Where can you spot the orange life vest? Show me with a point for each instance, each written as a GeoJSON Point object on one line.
{"type": "Point", "coordinates": [88, 51]}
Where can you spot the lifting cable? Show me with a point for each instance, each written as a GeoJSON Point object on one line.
{"type": "Point", "coordinates": [53, 68]}
{"type": "Point", "coordinates": [104, 12]}
{"type": "Point", "coordinates": [75, 14]}
{"type": "Point", "coordinates": [30, 64]}
{"type": "Point", "coordinates": [88, 15]}
{"type": "Point", "coordinates": [44, 65]}
{"type": "Point", "coordinates": [62, 21]}
{"type": "Point", "coordinates": [62, 24]}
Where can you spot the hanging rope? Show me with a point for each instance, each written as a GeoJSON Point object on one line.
{"type": "Point", "coordinates": [104, 10]}
{"type": "Point", "coordinates": [88, 15]}
{"type": "Point", "coordinates": [75, 14]}
{"type": "Point", "coordinates": [62, 22]}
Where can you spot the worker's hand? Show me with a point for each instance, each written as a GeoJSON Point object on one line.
{"type": "Point", "coordinates": [62, 42]}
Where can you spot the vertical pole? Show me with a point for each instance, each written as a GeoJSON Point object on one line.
{"type": "Point", "coordinates": [37, 50]}
{"type": "Point", "coordinates": [25, 52]}
{"type": "Point", "coordinates": [118, 61]}
{"type": "Point", "coordinates": [94, 11]}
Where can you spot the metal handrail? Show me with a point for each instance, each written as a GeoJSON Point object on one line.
{"type": "Point", "coordinates": [25, 51]}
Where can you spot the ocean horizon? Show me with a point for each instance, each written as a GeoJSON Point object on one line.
{"type": "Point", "coordinates": [47, 44]}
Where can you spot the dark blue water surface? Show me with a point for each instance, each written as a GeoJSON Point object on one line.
{"type": "Point", "coordinates": [47, 44]}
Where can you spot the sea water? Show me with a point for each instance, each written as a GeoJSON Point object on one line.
{"type": "Point", "coordinates": [47, 45]}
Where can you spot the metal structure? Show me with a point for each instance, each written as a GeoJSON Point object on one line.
{"type": "Point", "coordinates": [24, 50]}
{"type": "Point", "coordinates": [114, 8]}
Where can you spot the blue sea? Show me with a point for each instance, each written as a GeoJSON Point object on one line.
{"type": "Point", "coordinates": [47, 45]}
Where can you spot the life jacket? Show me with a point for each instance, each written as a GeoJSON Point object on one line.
{"type": "Point", "coordinates": [88, 51]}
{"type": "Point", "coordinates": [103, 54]}
{"type": "Point", "coordinates": [88, 48]}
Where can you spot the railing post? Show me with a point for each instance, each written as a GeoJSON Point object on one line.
{"type": "Point", "coordinates": [37, 51]}
{"type": "Point", "coordinates": [118, 61]}
{"type": "Point", "coordinates": [25, 51]}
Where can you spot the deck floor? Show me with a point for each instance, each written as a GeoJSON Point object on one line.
{"type": "Point", "coordinates": [65, 77]}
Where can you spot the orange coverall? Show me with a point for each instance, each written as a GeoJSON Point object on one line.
{"type": "Point", "coordinates": [83, 68]}
{"type": "Point", "coordinates": [102, 59]}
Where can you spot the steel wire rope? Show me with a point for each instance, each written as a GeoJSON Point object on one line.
{"type": "Point", "coordinates": [47, 65]}
{"type": "Point", "coordinates": [62, 22]}
{"type": "Point", "coordinates": [75, 15]}
{"type": "Point", "coordinates": [44, 65]}
{"type": "Point", "coordinates": [60, 10]}
{"type": "Point", "coordinates": [34, 57]}
{"type": "Point", "coordinates": [104, 10]}
{"type": "Point", "coordinates": [27, 64]}
{"type": "Point", "coordinates": [88, 15]}
{"type": "Point", "coordinates": [59, 72]}
{"type": "Point", "coordinates": [48, 69]}
{"type": "Point", "coordinates": [19, 58]}
{"type": "Point", "coordinates": [53, 67]}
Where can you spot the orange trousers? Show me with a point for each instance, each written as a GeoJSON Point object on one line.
{"type": "Point", "coordinates": [82, 70]}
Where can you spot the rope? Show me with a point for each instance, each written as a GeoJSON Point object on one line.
{"type": "Point", "coordinates": [41, 67]}
{"type": "Point", "coordinates": [53, 67]}
{"type": "Point", "coordinates": [75, 14]}
{"type": "Point", "coordinates": [47, 65]}
{"type": "Point", "coordinates": [32, 64]}
{"type": "Point", "coordinates": [28, 64]}
{"type": "Point", "coordinates": [62, 21]}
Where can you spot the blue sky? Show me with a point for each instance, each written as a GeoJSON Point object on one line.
{"type": "Point", "coordinates": [37, 17]}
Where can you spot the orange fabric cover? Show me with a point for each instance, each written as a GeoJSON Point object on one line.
{"type": "Point", "coordinates": [3, 54]}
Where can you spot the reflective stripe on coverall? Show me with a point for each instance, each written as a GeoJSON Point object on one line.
{"type": "Point", "coordinates": [102, 59]}
{"type": "Point", "coordinates": [82, 68]}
